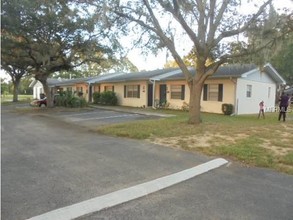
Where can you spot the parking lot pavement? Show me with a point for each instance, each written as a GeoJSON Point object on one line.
{"type": "Point", "coordinates": [47, 164]}
{"type": "Point", "coordinates": [97, 117]}
{"type": "Point", "coordinates": [141, 111]}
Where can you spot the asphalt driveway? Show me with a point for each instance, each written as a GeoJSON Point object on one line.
{"type": "Point", "coordinates": [95, 117]}
{"type": "Point", "coordinates": [48, 164]}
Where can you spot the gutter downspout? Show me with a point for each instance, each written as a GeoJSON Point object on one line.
{"type": "Point", "coordinates": [235, 99]}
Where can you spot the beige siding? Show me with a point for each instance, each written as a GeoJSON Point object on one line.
{"type": "Point", "coordinates": [228, 96]}
{"type": "Point", "coordinates": [96, 88]}
{"type": "Point", "coordinates": [84, 86]}
{"type": "Point", "coordinates": [173, 103]}
{"type": "Point", "coordinates": [133, 102]}
{"type": "Point", "coordinates": [206, 106]}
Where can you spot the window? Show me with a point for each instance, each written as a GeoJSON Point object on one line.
{"type": "Point", "coordinates": [96, 88]}
{"type": "Point", "coordinates": [248, 91]}
{"type": "Point", "coordinates": [177, 92]}
{"type": "Point", "coordinates": [213, 92]}
{"type": "Point", "coordinates": [109, 88]}
{"type": "Point", "coordinates": [132, 91]}
{"type": "Point", "coordinates": [79, 89]}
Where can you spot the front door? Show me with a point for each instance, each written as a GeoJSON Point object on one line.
{"type": "Point", "coordinates": [163, 93]}
{"type": "Point", "coordinates": [90, 93]}
{"type": "Point", "coordinates": [150, 95]}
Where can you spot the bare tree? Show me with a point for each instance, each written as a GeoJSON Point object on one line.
{"type": "Point", "coordinates": [209, 25]}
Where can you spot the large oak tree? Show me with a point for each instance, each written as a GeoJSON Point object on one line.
{"type": "Point", "coordinates": [50, 36]}
{"type": "Point", "coordinates": [13, 64]}
{"type": "Point", "coordinates": [208, 26]}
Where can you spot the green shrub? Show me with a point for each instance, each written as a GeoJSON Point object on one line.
{"type": "Point", "coordinates": [227, 109]}
{"type": "Point", "coordinates": [106, 98]}
{"type": "Point", "coordinates": [67, 99]}
{"type": "Point", "coordinates": [83, 102]}
{"type": "Point", "coordinates": [60, 99]}
{"type": "Point", "coordinates": [96, 96]}
{"type": "Point", "coordinates": [74, 102]}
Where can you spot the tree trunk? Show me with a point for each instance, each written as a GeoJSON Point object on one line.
{"type": "Point", "coordinates": [194, 102]}
{"type": "Point", "coordinates": [43, 80]}
{"type": "Point", "coordinates": [16, 83]}
{"type": "Point", "coordinates": [48, 94]}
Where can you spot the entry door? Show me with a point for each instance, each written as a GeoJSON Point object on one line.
{"type": "Point", "coordinates": [150, 94]}
{"type": "Point", "coordinates": [90, 93]}
{"type": "Point", "coordinates": [163, 93]}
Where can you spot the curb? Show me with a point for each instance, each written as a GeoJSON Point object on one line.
{"type": "Point", "coordinates": [128, 194]}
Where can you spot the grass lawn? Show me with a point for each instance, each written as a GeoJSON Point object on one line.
{"type": "Point", "coordinates": [7, 99]}
{"type": "Point", "coordinates": [257, 142]}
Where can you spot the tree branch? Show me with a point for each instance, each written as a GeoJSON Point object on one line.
{"type": "Point", "coordinates": [256, 50]}
{"type": "Point", "coordinates": [214, 24]}
{"type": "Point", "coordinates": [169, 43]}
{"type": "Point", "coordinates": [243, 28]}
{"type": "Point", "coordinates": [178, 16]}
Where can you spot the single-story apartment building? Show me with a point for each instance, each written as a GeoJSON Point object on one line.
{"type": "Point", "coordinates": [79, 85]}
{"type": "Point", "coordinates": [73, 85]}
{"type": "Point", "coordinates": [242, 85]}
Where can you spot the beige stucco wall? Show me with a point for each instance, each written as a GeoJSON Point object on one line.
{"type": "Point", "coordinates": [95, 88]}
{"type": "Point", "coordinates": [85, 90]}
{"type": "Point", "coordinates": [172, 103]}
{"type": "Point", "coordinates": [206, 106]}
{"type": "Point", "coordinates": [64, 88]}
{"type": "Point", "coordinates": [133, 102]}
{"type": "Point", "coordinates": [228, 96]}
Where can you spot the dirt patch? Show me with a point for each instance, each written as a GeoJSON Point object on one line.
{"type": "Point", "coordinates": [276, 150]}
{"type": "Point", "coordinates": [215, 140]}
{"type": "Point", "coordinates": [195, 141]}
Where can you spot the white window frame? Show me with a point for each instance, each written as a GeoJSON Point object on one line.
{"type": "Point", "coordinates": [176, 91]}
{"type": "Point", "coordinates": [132, 91]}
{"type": "Point", "coordinates": [248, 91]}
